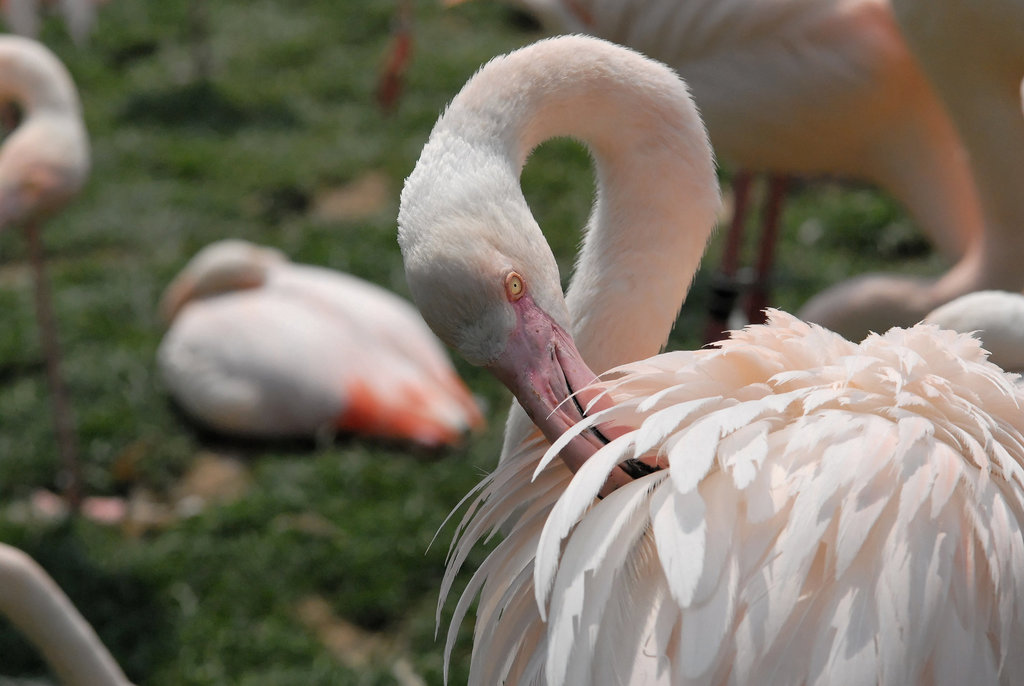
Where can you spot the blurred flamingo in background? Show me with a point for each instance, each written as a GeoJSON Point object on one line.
{"type": "Point", "coordinates": [37, 607]}
{"type": "Point", "coordinates": [995, 317]}
{"type": "Point", "coordinates": [259, 346]}
{"type": "Point", "coordinates": [807, 88]}
{"type": "Point", "coordinates": [43, 163]}
{"type": "Point", "coordinates": [973, 53]}
{"type": "Point", "coordinates": [984, 85]}
{"type": "Point", "coordinates": [786, 508]}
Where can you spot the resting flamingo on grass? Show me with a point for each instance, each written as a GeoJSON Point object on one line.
{"type": "Point", "coordinates": [43, 164]}
{"type": "Point", "coordinates": [786, 508]}
{"type": "Point", "coordinates": [259, 346]}
{"type": "Point", "coordinates": [37, 607]}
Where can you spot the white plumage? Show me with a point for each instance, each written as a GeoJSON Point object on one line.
{"type": "Point", "coordinates": [788, 508]}
{"type": "Point", "coordinates": [263, 347]}
{"type": "Point", "coordinates": [995, 317]}
{"type": "Point", "coordinates": [830, 513]}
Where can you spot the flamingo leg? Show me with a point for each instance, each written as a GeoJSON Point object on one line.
{"type": "Point", "coordinates": [63, 418]}
{"type": "Point", "coordinates": [760, 289]}
{"type": "Point", "coordinates": [725, 287]}
{"type": "Point", "coordinates": [389, 85]}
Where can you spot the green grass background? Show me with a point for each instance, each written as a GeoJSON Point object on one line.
{"type": "Point", "coordinates": [285, 112]}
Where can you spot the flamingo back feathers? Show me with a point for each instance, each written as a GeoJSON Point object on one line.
{"type": "Point", "coordinates": [830, 513]}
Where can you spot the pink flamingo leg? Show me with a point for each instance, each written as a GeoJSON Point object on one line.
{"type": "Point", "coordinates": [724, 287]}
{"type": "Point", "coordinates": [760, 290]}
{"type": "Point", "coordinates": [63, 418]}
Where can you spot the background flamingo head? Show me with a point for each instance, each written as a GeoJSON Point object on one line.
{"type": "Point", "coordinates": [464, 228]}
{"type": "Point", "coordinates": [221, 267]}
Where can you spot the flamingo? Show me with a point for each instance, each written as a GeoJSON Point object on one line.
{"type": "Point", "coordinates": [810, 88]}
{"type": "Point", "coordinates": [259, 346]}
{"type": "Point", "coordinates": [36, 605]}
{"type": "Point", "coordinates": [43, 164]}
{"type": "Point", "coordinates": [788, 507]}
{"type": "Point", "coordinates": [973, 53]}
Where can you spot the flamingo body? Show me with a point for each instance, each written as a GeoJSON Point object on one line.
{"type": "Point", "coordinates": [996, 317]}
{"type": "Point", "coordinates": [973, 54]}
{"type": "Point", "coordinates": [281, 349]}
{"type": "Point", "coordinates": [786, 508]}
{"type": "Point", "coordinates": [828, 512]}
{"type": "Point", "coordinates": [45, 161]}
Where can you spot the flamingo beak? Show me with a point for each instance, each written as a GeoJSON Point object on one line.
{"type": "Point", "coordinates": [547, 374]}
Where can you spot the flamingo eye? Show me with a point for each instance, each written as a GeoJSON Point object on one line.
{"type": "Point", "coordinates": [514, 286]}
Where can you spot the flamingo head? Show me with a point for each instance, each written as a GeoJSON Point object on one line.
{"type": "Point", "coordinates": [486, 282]}
{"type": "Point", "coordinates": [221, 267]}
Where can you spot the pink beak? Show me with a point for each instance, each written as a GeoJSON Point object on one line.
{"type": "Point", "coordinates": [543, 368]}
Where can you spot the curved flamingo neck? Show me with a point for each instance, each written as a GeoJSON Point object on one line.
{"type": "Point", "coordinates": [34, 78]}
{"type": "Point", "coordinates": [37, 607]}
{"type": "Point", "coordinates": [657, 194]}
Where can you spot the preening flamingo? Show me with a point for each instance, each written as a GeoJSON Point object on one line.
{"type": "Point", "coordinates": [43, 163]}
{"type": "Point", "coordinates": [37, 607]}
{"type": "Point", "coordinates": [259, 346]}
{"type": "Point", "coordinates": [816, 87]}
{"type": "Point", "coordinates": [786, 508]}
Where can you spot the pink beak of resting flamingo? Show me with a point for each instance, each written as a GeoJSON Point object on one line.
{"type": "Point", "coordinates": [547, 374]}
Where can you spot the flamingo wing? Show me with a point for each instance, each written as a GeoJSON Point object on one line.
{"type": "Point", "coordinates": [404, 352]}
{"type": "Point", "coordinates": [252, 363]}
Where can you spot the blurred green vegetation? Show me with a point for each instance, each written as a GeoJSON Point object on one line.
{"type": "Point", "coordinates": [234, 122]}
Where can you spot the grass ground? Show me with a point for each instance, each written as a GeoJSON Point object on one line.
{"type": "Point", "coordinates": [314, 566]}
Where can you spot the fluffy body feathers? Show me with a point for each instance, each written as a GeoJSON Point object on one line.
{"type": "Point", "coordinates": [828, 513]}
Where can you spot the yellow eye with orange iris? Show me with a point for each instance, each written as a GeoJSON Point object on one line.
{"type": "Point", "coordinates": [514, 286]}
